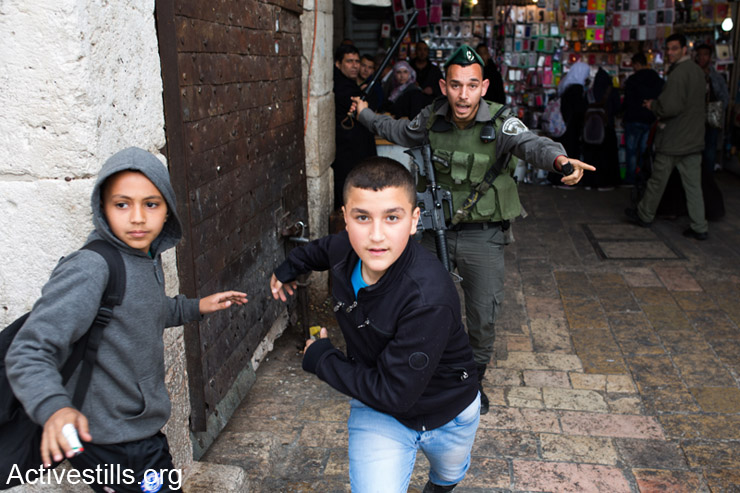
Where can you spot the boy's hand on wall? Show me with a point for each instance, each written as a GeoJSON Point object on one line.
{"type": "Point", "coordinates": [220, 301]}
{"type": "Point", "coordinates": [323, 334]}
{"type": "Point", "coordinates": [277, 288]}
{"type": "Point", "coordinates": [53, 443]}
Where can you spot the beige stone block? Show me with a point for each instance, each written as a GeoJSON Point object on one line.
{"type": "Point", "coordinates": [521, 419]}
{"type": "Point", "coordinates": [574, 400]}
{"type": "Point", "coordinates": [320, 198]}
{"type": "Point", "coordinates": [177, 428]}
{"type": "Point", "coordinates": [204, 477]}
{"type": "Point", "coordinates": [585, 381]}
{"type": "Point", "coordinates": [593, 450]}
{"type": "Point", "coordinates": [620, 384]}
{"type": "Point", "coordinates": [541, 361]}
{"type": "Point", "coordinates": [319, 139]}
{"type": "Point", "coordinates": [503, 377]}
{"type": "Point", "coordinates": [518, 343]}
{"type": "Point", "coordinates": [601, 382]}
{"type": "Point", "coordinates": [322, 52]}
{"type": "Point", "coordinates": [611, 425]}
{"type": "Point", "coordinates": [496, 396]}
{"type": "Point", "coordinates": [546, 378]}
{"type": "Point", "coordinates": [551, 335]}
{"type": "Point", "coordinates": [525, 397]}
{"type": "Point", "coordinates": [624, 404]}
{"type": "Point", "coordinates": [325, 6]}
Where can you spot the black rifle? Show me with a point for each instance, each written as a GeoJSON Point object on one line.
{"type": "Point", "coordinates": [432, 202]}
{"type": "Point", "coordinates": [379, 70]}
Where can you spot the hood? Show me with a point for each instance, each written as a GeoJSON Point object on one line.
{"type": "Point", "coordinates": [136, 159]}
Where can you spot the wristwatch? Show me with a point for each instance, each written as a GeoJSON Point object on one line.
{"type": "Point", "coordinates": [566, 168]}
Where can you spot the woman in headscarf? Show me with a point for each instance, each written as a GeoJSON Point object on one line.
{"type": "Point", "coordinates": [405, 98]}
{"type": "Point", "coordinates": [571, 92]}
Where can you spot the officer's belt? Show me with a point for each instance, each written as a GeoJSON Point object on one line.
{"type": "Point", "coordinates": [504, 225]}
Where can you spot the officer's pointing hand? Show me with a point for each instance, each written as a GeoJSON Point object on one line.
{"type": "Point", "coordinates": [578, 168]}
{"type": "Point", "coordinates": [357, 104]}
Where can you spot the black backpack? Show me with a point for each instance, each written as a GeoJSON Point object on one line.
{"type": "Point", "coordinates": [595, 119]}
{"type": "Point", "coordinates": [19, 435]}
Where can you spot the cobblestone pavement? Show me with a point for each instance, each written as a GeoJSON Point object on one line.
{"type": "Point", "coordinates": [617, 366]}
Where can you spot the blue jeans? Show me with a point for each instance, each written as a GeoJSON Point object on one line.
{"type": "Point", "coordinates": [635, 143]}
{"type": "Point", "coordinates": [382, 451]}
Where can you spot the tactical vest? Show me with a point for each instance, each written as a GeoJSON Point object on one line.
{"type": "Point", "coordinates": [462, 160]}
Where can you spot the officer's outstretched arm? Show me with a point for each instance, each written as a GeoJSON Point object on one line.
{"type": "Point", "coordinates": [578, 168]}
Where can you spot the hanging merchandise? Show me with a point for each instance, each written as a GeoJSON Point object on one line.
{"type": "Point", "coordinates": [400, 13]}
{"type": "Point", "coordinates": [435, 12]}
{"type": "Point", "coordinates": [455, 10]}
{"type": "Point", "coordinates": [421, 7]}
{"type": "Point", "coordinates": [385, 30]}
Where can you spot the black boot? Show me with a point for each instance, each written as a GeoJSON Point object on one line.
{"type": "Point", "coordinates": [435, 488]}
{"type": "Point", "coordinates": [483, 396]}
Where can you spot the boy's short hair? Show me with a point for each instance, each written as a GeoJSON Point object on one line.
{"type": "Point", "coordinates": [367, 57]}
{"type": "Point", "coordinates": [377, 173]}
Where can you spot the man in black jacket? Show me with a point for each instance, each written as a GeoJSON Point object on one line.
{"type": "Point", "coordinates": [643, 84]}
{"type": "Point", "coordinates": [427, 73]}
{"type": "Point", "coordinates": [353, 142]}
{"type": "Point", "coordinates": [409, 367]}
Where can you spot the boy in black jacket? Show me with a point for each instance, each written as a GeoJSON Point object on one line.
{"type": "Point", "coordinates": [409, 368]}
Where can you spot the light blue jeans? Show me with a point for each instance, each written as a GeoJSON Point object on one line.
{"type": "Point", "coordinates": [382, 451]}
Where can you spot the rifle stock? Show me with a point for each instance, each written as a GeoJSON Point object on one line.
{"type": "Point", "coordinates": [432, 201]}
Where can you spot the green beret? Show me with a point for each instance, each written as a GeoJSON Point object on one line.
{"type": "Point", "coordinates": [465, 55]}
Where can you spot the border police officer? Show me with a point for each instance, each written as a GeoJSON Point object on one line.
{"type": "Point", "coordinates": [468, 139]}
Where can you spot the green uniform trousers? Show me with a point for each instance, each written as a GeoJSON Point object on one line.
{"type": "Point", "coordinates": [689, 167]}
{"type": "Point", "coordinates": [478, 256]}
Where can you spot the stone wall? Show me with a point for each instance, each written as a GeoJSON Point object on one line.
{"type": "Point", "coordinates": [316, 25]}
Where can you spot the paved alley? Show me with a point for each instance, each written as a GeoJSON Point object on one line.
{"type": "Point", "coordinates": [617, 366]}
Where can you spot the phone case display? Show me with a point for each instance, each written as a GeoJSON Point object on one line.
{"type": "Point", "coordinates": [528, 42]}
{"type": "Point", "coordinates": [447, 36]}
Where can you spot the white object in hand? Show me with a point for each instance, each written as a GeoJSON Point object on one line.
{"type": "Point", "coordinates": [70, 433]}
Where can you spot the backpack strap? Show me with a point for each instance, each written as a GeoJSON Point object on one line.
{"type": "Point", "coordinates": [85, 350]}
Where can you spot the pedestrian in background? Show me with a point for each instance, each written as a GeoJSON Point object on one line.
{"type": "Point", "coordinates": [679, 140]}
{"type": "Point", "coordinates": [643, 84]}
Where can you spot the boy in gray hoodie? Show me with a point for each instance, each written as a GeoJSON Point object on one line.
{"type": "Point", "coordinates": [126, 404]}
